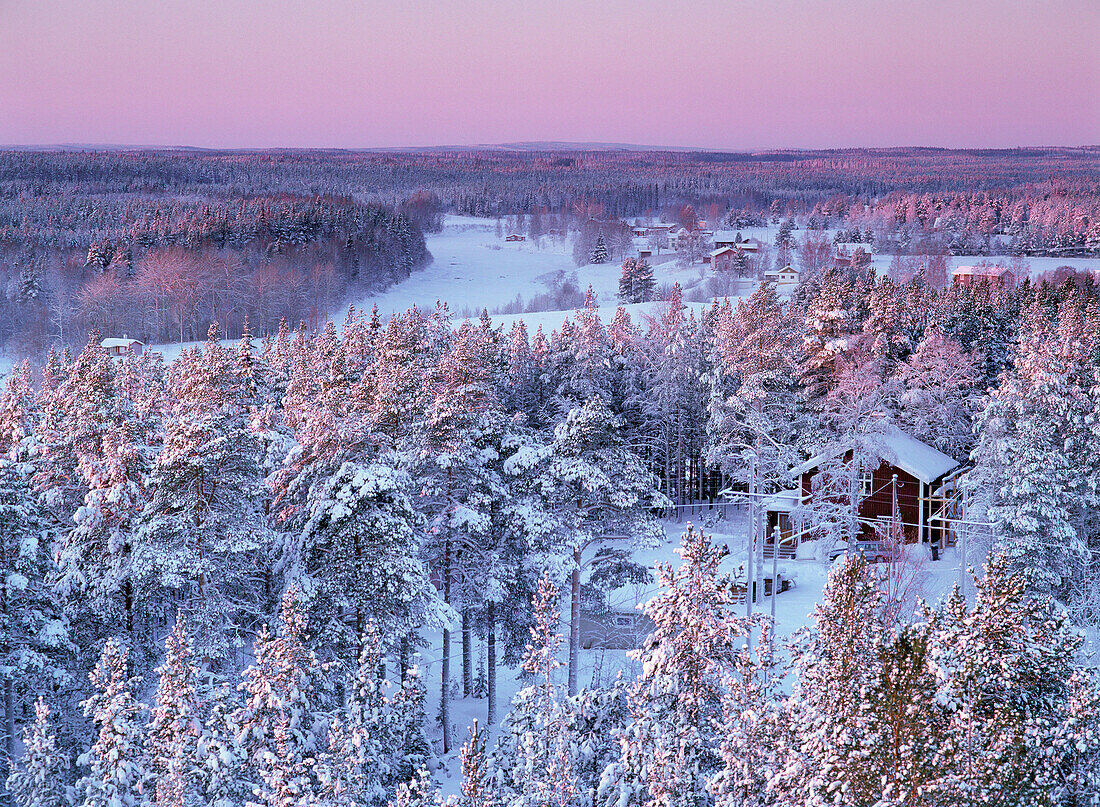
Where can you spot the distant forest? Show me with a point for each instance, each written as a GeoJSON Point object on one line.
{"type": "Point", "coordinates": [160, 244]}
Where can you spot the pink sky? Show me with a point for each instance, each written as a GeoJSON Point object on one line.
{"type": "Point", "coordinates": [708, 73]}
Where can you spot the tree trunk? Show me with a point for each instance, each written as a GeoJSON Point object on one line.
{"type": "Point", "coordinates": [445, 675]}
{"type": "Point", "coordinates": [491, 662]}
{"type": "Point", "coordinates": [575, 622]}
{"type": "Point", "coordinates": [467, 660]}
{"type": "Point", "coordinates": [9, 721]}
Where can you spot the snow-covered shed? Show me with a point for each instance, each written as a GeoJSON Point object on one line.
{"type": "Point", "coordinates": [120, 347]}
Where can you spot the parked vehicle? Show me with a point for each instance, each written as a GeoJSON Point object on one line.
{"type": "Point", "coordinates": [873, 551]}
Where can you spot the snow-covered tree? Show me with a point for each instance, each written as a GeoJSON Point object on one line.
{"type": "Point", "coordinates": [279, 727]}
{"type": "Point", "coordinates": [35, 647]}
{"type": "Point", "coordinates": [40, 777]}
{"type": "Point", "coordinates": [532, 764]}
{"type": "Point", "coordinates": [358, 555]}
{"type": "Point", "coordinates": [174, 729]}
{"type": "Point", "coordinates": [1008, 673]}
{"type": "Point", "coordinates": [203, 533]}
{"type": "Point", "coordinates": [599, 252]}
{"type": "Point", "coordinates": [636, 283]}
{"type": "Point", "coordinates": [598, 489]}
{"type": "Point", "coordinates": [671, 750]}
{"type": "Point", "coordinates": [355, 769]}
{"type": "Point", "coordinates": [115, 772]}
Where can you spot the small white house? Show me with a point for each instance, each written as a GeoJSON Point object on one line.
{"type": "Point", "coordinates": [120, 347]}
{"type": "Point", "coordinates": [787, 277]}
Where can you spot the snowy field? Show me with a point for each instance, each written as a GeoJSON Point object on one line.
{"type": "Point", "coordinates": [473, 269]}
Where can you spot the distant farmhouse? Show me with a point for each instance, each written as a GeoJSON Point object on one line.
{"type": "Point", "coordinates": [994, 275]}
{"type": "Point", "coordinates": [121, 347]}
{"type": "Point", "coordinates": [785, 278]}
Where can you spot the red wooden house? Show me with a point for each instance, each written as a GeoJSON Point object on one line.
{"type": "Point", "coordinates": [910, 472]}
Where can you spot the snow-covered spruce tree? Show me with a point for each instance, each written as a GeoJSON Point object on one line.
{"type": "Point", "coordinates": [1033, 459]}
{"type": "Point", "coordinates": [203, 533]}
{"type": "Point", "coordinates": [174, 729]}
{"type": "Point", "coordinates": [599, 252]}
{"type": "Point", "coordinates": [599, 489]}
{"type": "Point", "coordinates": [417, 792]}
{"type": "Point", "coordinates": [636, 284]}
{"type": "Point", "coordinates": [532, 763]}
{"type": "Point", "coordinates": [114, 765]}
{"type": "Point", "coordinates": [40, 779]}
{"type": "Point", "coordinates": [1008, 672]}
{"type": "Point", "coordinates": [594, 718]}
{"type": "Point", "coordinates": [584, 349]}
{"type": "Point", "coordinates": [834, 661]}
{"type": "Point", "coordinates": [672, 748]}
{"type": "Point", "coordinates": [218, 753]}
{"type": "Point", "coordinates": [406, 726]}
{"type": "Point", "coordinates": [18, 411]}
{"type": "Point", "coordinates": [279, 727]}
{"type": "Point", "coordinates": [753, 724]}
{"type": "Point", "coordinates": [356, 768]}
{"type": "Point", "coordinates": [35, 649]}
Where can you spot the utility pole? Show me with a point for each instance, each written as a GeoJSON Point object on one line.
{"type": "Point", "coordinates": [749, 579]}
{"type": "Point", "coordinates": [775, 570]}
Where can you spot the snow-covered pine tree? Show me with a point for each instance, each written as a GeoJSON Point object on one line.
{"type": "Point", "coordinates": [280, 727]}
{"type": "Point", "coordinates": [753, 724]}
{"type": "Point", "coordinates": [673, 408]}
{"type": "Point", "coordinates": [475, 784]}
{"type": "Point", "coordinates": [204, 531]}
{"type": "Point", "coordinates": [417, 792]}
{"type": "Point", "coordinates": [35, 649]}
{"type": "Point", "coordinates": [755, 412]}
{"type": "Point", "coordinates": [834, 661]}
{"type": "Point", "coordinates": [1031, 450]}
{"type": "Point", "coordinates": [1008, 673]}
{"type": "Point", "coordinates": [598, 489]}
{"type": "Point", "coordinates": [174, 729]}
{"type": "Point", "coordinates": [115, 763]}
{"type": "Point", "coordinates": [40, 779]}
{"type": "Point", "coordinates": [671, 750]}
{"type": "Point", "coordinates": [358, 555]}
{"type": "Point", "coordinates": [939, 395]}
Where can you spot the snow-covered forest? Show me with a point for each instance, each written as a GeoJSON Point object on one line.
{"type": "Point", "coordinates": [220, 575]}
{"type": "Point", "coordinates": [159, 244]}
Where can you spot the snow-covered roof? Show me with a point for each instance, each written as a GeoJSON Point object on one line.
{"type": "Point", "coordinates": [902, 451]}
{"type": "Point", "coordinates": [783, 500]}
{"type": "Point", "coordinates": [786, 270]}
{"type": "Point", "coordinates": [721, 251]}
{"type": "Point", "coordinates": [983, 271]}
{"type": "Point", "coordinates": [114, 341]}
